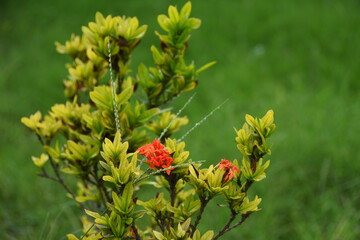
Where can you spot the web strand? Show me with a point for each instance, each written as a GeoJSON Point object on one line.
{"type": "Point", "coordinates": [177, 114]}
{"type": "Point", "coordinates": [201, 121]}
{"type": "Point", "coordinates": [113, 87]}
{"type": "Point", "coordinates": [116, 115]}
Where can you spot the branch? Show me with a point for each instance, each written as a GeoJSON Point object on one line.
{"type": "Point", "coordinates": [243, 218]}
{"type": "Point", "coordinates": [227, 226]}
{"type": "Point", "coordinates": [44, 174]}
{"type": "Point", "coordinates": [159, 222]}
{"type": "Point", "coordinates": [137, 236]}
{"type": "Point", "coordinates": [172, 184]}
{"type": "Point", "coordinates": [204, 203]}
{"type": "Point", "coordinates": [61, 181]}
{"type": "Point", "coordinates": [248, 185]}
{"type": "Point", "coordinates": [99, 183]}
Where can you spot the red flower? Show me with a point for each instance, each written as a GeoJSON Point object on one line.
{"type": "Point", "coordinates": [225, 164]}
{"type": "Point", "coordinates": [229, 168]}
{"type": "Point", "coordinates": [157, 156]}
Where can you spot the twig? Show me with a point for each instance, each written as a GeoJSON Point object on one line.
{"type": "Point", "coordinates": [44, 174]}
{"type": "Point", "coordinates": [61, 181]}
{"type": "Point", "coordinates": [159, 223]}
{"type": "Point", "coordinates": [248, 185]}
{"type": "Point", "coordinates": [228, 228]}
{"type": "Point", "coordinates": [204, 203]}
{"type": "Point", "coordinates": [172, 184]}
{"type": "Point", "coordinates": [100, 185]}
{"type": "Point", "coordinates": [137, 236]}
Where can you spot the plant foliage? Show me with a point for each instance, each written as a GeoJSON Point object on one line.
{"type": "Point", "coordinates": [103, 136]}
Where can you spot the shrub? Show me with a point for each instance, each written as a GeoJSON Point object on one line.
{"type": "Point", "coordinates": [104, 137]}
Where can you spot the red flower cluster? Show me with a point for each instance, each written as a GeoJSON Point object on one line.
{"type": "Point", "coordinates": [230, 170]}
{"type": "Point", "coordinates": [156, 155]}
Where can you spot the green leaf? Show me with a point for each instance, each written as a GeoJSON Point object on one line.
{"type": "Point", "coordinates": [99, 18]}
{"type": "Point", "coordinates": [109, 179]}
{"type": "Point", "coordinates": [193, 23]}
{"type": "Point", "coordinates": [173, 14]}
{"type": "Point", "coordinates": [208, 235]}
{"type": "Point", "coordinates": [159, 236]}
{"type": "Point", "coordinates": [183, 38]}
{"type": "Point", "coordinates": [206, 66]}
{"type": "Point", "coordinates": [260, 170]}
{"type": "Point", "coordinates": [147, 115]}
{"type": "Point", "coordinates": [55, 153]}
{"type": "Point", "coordinates": [185, 225]}
{"type": "Point", "coordinates": [92, 214]}
{"type": "Point", "coordinates": [143, 75]}
{"type": "Point", "coordinates": [186, 10]}
{"type": "Point", "coordinates": [71, 237]}
{"type": "Point", "coordinates": [164, 22]}
{"type": "Point", "coordinates": [127, 196]}
{"type": "Point", "coordinates": [139, 214]}
{"type": "Point", "coordinates": [140, 32]}
{"type": "Point", "coordinates": [248, 206]}
{"type": "Point", "coordinates": [75, 151]}
{"type": "Point", "coordinates": [124, 96]}
{"type": "Point", "coordinates": [40, 161]}
{"type": "Point", "coordinates": [158, 58]}
{"type": "Point", "coordinates": [32, 121]}
{"type": "Point", "coordinates": [117, 200]}
{"type": "Point", "coordinates": [268, 119]}
{"type": "Point", "coordinates": [246, 169]}
{"type": "Point", "coordinates": [102, 97]}
{"type": "Point", "coordinates": [71, 171]}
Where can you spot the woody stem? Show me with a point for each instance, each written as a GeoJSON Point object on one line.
{"type": "Point", "coordinates": [204, 201]}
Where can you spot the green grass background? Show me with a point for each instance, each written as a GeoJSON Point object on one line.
{"type": "Point", "coordinates": [300, 58]}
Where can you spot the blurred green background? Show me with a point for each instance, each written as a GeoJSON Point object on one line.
{"type": "Point", "coordinates": [300, 58]}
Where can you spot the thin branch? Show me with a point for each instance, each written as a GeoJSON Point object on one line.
{"type": "Point", "coordinates": [101, 190]}
{"type": "Point", "coordinates": [91, 180]}
{"type": "Point", "coordinates": [44, 174]}
{"type": "Point", "coordinates": [61, 181]}
{"type": "Point", "coordinates": [105, 193]}
{"type": "Point", "coordinates": [159, 223]}
{"type": "Point", "coordinates": [225, 230]}
{"type": "Point", "coordinates": [243, 218]}
{"type": "Point", "coordinates": [204, 203]}
{"type": "Point", "coordinates": [40, 139]}
{"type": "Point", "coordinates": [99, 183]}
{"type": "Point", "coordinates": [137, 236]}
{"type": "Point", "coordinates": [226, 227]}
{"type": "Point", "coordinates": [172, 188]}
{"type": "Point", "coordinates": [248, 185]}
